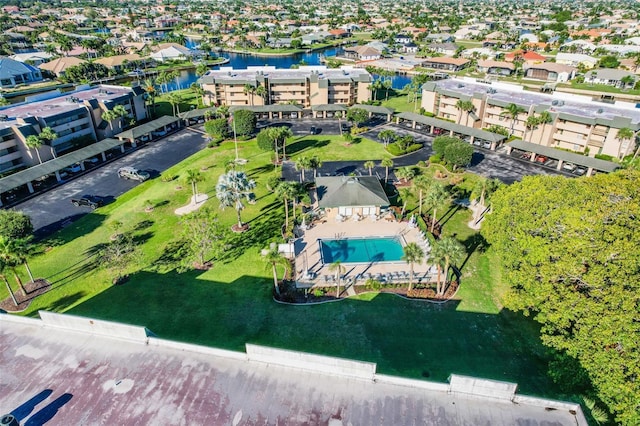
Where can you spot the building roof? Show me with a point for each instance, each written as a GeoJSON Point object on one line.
{"type": "Point", "coordinates": [609, 74]}
{"type": "Point", "coordinates": [569, 157]}
{"type": "Point", "coordinates": [344, 191]}
{"type": "Point", "coordinates": [328, 107]}
{"type": "Point", "coordinates": [59, 65]}
{"type": "Point", "coordinates": [267, 108]}
{"type": "Point", "coordinates": [146, 128]}
{"type": "Point", "coordinates": [81, 376]}
{"type": "Point", "coordinates": [552, 67]}
{"type": "Point", "coordinates": [456, 128]}
{"type": "Point", "coordinates": [118, 60]}
{"type": "Point", "coordinates": [10, 67]}
{"type": "Point", "coordinates": [48, 167]}
{"type": "Point", "coordinates": [496, 64]}
{"type": "Point", "coordinates": [252, 75]}
{"type": "Point", "coordinates": [448, 61]}
{"type": "Point", "coordinates": [196, 113]}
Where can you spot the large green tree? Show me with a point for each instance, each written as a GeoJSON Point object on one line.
{"type": "Point", "coordinates": [15, 225]}
{"type": "Point", "coordinates": [232, 188]}
{"type": "Point", "coordinates": [570, 250]}
{"type": "Point", "coordinates": [244, 122]}
{"type": "Point", "coordinates": [203, 234]}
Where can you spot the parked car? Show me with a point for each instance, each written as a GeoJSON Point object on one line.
{"type": "Point", "coordinates": [313, 130]}
{"type": "Point", "coordinates": [344, 127]}
{"type": "Point", "coordinates": [541, 159]}
{"type": "Point", "coordinates": [92, 201]}
{"type": "Point", "coordinates": [133, 173]}
{"type": "Point", "coordinates": [569, 166]}
{"type": "Point", "coordinates": [74, 168]}
{"type": "Point", "coordinates": [580, 171]}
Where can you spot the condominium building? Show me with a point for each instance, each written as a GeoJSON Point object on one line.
{"type": "Point", "coordinates": [577, 123]}
{"type": "Point", "coordinates": [75, 118]}
{"type": "Point", "coordinates": [304, 86]}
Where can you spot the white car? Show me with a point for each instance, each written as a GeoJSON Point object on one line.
{"type": "Point", "coordinates": [569, 166]}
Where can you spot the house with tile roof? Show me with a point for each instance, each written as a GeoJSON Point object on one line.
{"type": "Point", "coordinates": [14, 72]}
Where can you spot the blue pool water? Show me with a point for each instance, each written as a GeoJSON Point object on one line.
{"type": "Point", "coordinates": [361, 250]}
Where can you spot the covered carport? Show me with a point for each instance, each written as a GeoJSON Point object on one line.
{"type": "Point", "coordinates": [563, 157]}
{"type": "Point", "coordinates": [469, 134]}
{"type": "Point", "coordinates": [385, 112]}
{"type": "Point", "coordinates": [145, 132]}
{"type": "Point", "coordinates": [195, 116]}
{"type": "Point", "coordinates": [54, 166]}
{"type": "Point", "coordinates": [327, 110]}
{"type": "Point", "coordinates": [269, 112]}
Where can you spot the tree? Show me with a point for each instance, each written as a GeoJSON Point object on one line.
{"type": "Point", "coordinates": [249, 89]}
{"type": "Point", "coordinates": [273, 258]}
{"type": "Point", "coordinates": [201, 69]}
{"type": "Point", "coordinates": [286, 191]}
{"type": "Point", "coordinates": [11, 254]}
{"type": "Point", "coordinates": [338, 115]}
{"type": "Point", "coordinates": [624, 134]}
{"type": "Point", "coordinates": [109, 116]}
{"type": "Point", "coordinates": [302, 164]}
{"type": "Point", "coordinates": [440, 144]}
{"type": "Point", "coordinates": [3, 267]}
{"type": "Point", "coordinates": [357, 116]}
{"type": "Point", "coordinates": [530, 124]}
{"type": "Point", "coordinates": [512, 111]}
{"type": "Point", "coordinates": [262, 92]}
{"type": "Point", "coordinates": [274, 138]}
{"type": "Point", "coordinates": [150, 86]}
{"type": "Point", "coordinates": [446, 252]}
{"type": "Point", "coordinates": [174, 99]}
{"type": "Point", "coordinates": [244, 122]}
{"type": "Point", "coordinates": [464, 106]}
{"type": "Point", "coordinates": [316, 163]}
{"type": "Point", "coordinates": [21, 248]}
{"type": "Point", "coordinates": [232, 188]}
{"type": "Point", "coordinates": [484, 188]}
{"type": "Point", "coordinates": [117, 255]}
{"type": "Point", "coordinates": [405, 174]}
{"type": "Point", "coordinates": [192, 178]}
{"type": "Point", "coordinates": [15, 225]}
{"type": "Point", "coordinates": [544, 118]}
{"type": "Point", "coordinates": [369, 165]}
{"type": "Point", "coordinates": [569, 251]}
{"type": "Point", "coordinates": [34, 142]}
{"type": "Point", "coordinates": [203, 234]}
{"type": "Point", "coordinates": [386, 163]}
{"type": "Point", "coordinates": [459, 154]}
{"type": "Point", "coordinates": [47, 135]}
{"type": "Point", "coordinates": [413, 254]}
{"type": "Point", "coordinates": [609, 61]}
{"type": "Point", "coordinates": [421, 184]}
{"type": "Point", "coordinates": [339, 269]}
{"type": "Point", "coordinates": [120, 112]}
{"type": "Point", "coordinates": [436, 196]}
{"type": "Point", "coordinates": [387, 136]}
{"type": "Point", "coordinates": [405, 195]}
{"type": "Point", "coordinates": [217, 129]}
{"type": "Point", "coordinates": [280, 135]}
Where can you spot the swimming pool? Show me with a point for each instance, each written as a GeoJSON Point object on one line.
{"type": "Point", "coordinates": [361, 250]}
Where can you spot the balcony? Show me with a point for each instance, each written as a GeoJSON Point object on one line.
{"type": "Point", "coordinates": [8, 144]}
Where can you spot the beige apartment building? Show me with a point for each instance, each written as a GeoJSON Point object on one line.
{"type": "Point", "coordinates": [305, 86]}
{"type": "Point", "coordinates": [577, 123]}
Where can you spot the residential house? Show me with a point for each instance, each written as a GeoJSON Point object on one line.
{"type": "Point", "coordinates": [496, 67]}
{"type": "Point", "coordinates": [440, 38]}
{"type": "Point", "coordinates": [527, 57]}
{"type": "Point", "coordinates": [402, 39]}
{"type": "Point", "coordinates": [342, 197]}
{"type": "Point", "coordinates": [117, 62]}
{"type": "Point", "coordinates": [172, 52]}
{"type": "Point", "coordinates": [32, 58]}
{"type": "Point", "coordinates": [362, 53]}
{"type": "Point", "coordinates": [448, 64]}
{"type": "Point", "coordinates": [550, 72]}
{"type": "Point", "coordinates": [611, 77]}
{"type": "Point", "coordinates": [58, 66]}
{"type": "Point", "coordinates": [409, 48]}
{"type": "Point", "coordinates": [14, 72]}
{"type": "Point", "coordinates": [576, 59]}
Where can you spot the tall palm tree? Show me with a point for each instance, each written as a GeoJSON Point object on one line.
{"type": "Point", "coordinates": [120, 113]}
{"type": "Point", "coordinates": [192, 178]}
{"type": "Point", "coordinates": [3, 267]}
{"type": "Point", "coordinates": [338, 115]}
{"type": "Point", "coordinates": [624, 134]}
{"type": "Point", "coordinates": [262, 92]}
{"type": "Point", "coordinates": [512, 111]}
{"type": "Point", "coordinates": [301, 165]}
{"type": "Point", "coordinates": [273, 258]}
{"type": "Point", "coordinates": [9, 253]}
{"type": "Point", "coordinates": [109, 116]}
{"type": "Point", "coordinates": [34, 142]}
{"type": "Point", "coordinates": [48, 135]}
{"type": "Point", "coordinates": [233, 187]}
{"type": "Point", "coordinates": [316, 163]}
{"type": "Point", "coordinates": [22, 248]}
{"type": "Point", "coordinates": [280, 134]}
{"type": "Point", "coordinates": [150, 86]}
{"type": "Point", "coordinates": [386, 163]}
{"type": "Point", "coordinates": [413, 254]}
{"type": "Point", "coordinates": [387, 136]}
{"type": "Point", "coordinates": [339, 269]}
{"type": "Point", "coordinates": [436, 196]}
{"type": "Point", "coordinates": [405, 195]}
{"type": "Point", "coordinates": [286, 191]}
{"type": "Point", "coordinates": [405, 173]}
{"type": "Point", "coordinates": [249, 89]}
{"type": "Point", "coordinates": [369, 165]}
{"type": "Point", "coordinates": [464, 106]}
{"type": "Point", "coordinates": [447, 251]}
{"type": "Point", "coordinates": [421, 184]}
{"type": "Point", "coordinates": [531, 123]}
{"type": "Point", "coordinates": [175, 99]}
{"type": "Point", "coordinates": [544, 118]}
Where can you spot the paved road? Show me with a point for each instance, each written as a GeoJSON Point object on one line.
{"type": "Point", "coordinates": [53, 209]}
{"type": "Point", "coordinates": [485, 162]}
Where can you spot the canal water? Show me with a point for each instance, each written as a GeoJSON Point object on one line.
{"type": "Point", "coordinates": [244, 60]}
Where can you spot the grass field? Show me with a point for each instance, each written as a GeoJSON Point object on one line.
{"type": "Point", "coordinates": [231, 304]}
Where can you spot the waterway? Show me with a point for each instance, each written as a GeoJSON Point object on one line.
{"type": "Point", "coordinates": [244, 60]}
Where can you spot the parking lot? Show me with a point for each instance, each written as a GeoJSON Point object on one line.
{"type": "Point", "coordinates": [53, 210]}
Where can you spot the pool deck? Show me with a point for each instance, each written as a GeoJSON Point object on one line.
{"type": "Point", "coordinates": [311, 272]}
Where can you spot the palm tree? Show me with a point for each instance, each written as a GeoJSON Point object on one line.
{"type": "Point", "coordinates": [249, 89]}
{"type": "Point", "coordinates": [316, 163]}
{"type": "Point", "coordinates": [405, 194]}
{"type": "Point", "coordinates": [222, 111]}
{"type": "Point", "coordinates": [201, 69]}
{"type": "Point", "coordinates": [22, 249]}
{"type": "Point", "coordinates": [483, 189]}
{"type": "Point", "coordinates": [338, 115]}
{"type": "Point", "coordinates": [413, 254]}
{"type": "Point", "coordinates": [150, 86]}
{"type": "Point", "coordinates": [232, 188]}
{"type": "Point", "coordinates": [34, 142]}
{"type": "Point", "coordinates": [10, 255]}
{"type": "Point", "coordinates": [301, 165]}
{"type": "Point", "coordinates": [624, 134]}
{"type": "Point", "coordinates": [286, 191]}
{"type": "Point", "coordinates": [512, 111]}
{"type": "Point", "coordinates": [339, 269]}
{"type": "Point", "coordinates": [464, 106]}
{"type": "Point", "coordinates": [281, 134]}
{"type": "Point", "coordinates": [387, 136]}
{"type": "Point", "coordinates": [386, 163]}
{"type": "Point", "coordinates": [120, 112]}
{"type": "Point", "coordinates": [262, 92]}
{"type": "Point", "coordinates": [405, 174]}
{"type": "Point", "coordinates": [531, 123]}
{"type": "Point", "coordinates": [369, 165]}
{"type": "Point", "coordinates": [273, 258]}
{"type": "Point", "coordinates": [174, 99]}
{"type": "Point", "coordinates": [4, 101]}
{"type": "Point", "coordinates": [447, 251]}
{"type": "Point", "coordinates": [108, 116]}
{"type": "Point", "coordinates": [436, 196]}
{"type": "Point", "coordinates": [192, 178]}
{"type": "Point", "coordinates": [387, 84]}
{"type": "Point", "coordinates": [48, 135]}
{"type": "Point", "coordinates": [3, 267]}
{"type": "Point", "coordinates": [422, 184]}
{"type": "Point", "coordinates": [544, 118]}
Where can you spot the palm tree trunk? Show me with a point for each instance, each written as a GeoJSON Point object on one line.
{"type": "Point", "coordinates": [420, 203]}
{"type": "Point", "coordinates": [443, 289]}
{"type": "Point", "coordinates": [19, 281]}
{"type": "Point", "coordinates": [275, 279]}
{"type": "Point", "coordinates": [294, 205]}
{"type": "Point", "coordinates": [239, 218]}
{"type": "Point", "coordinates": [286, 213]}
{"type": "Point", "coordinates": [438, 281]}
{"type": "Point", "coordinates": [13, 296]}
{"type": "Point", "coordinates": [386, 174]}
{"type": "Point", "coordinates": [410, 277]}
{"type": "Point", "coordinates": [433, 220]}
{"type": "Point", "coordinates": [284, 149]}
{"type": "Point", "coordinates": [338, 284]}
{"type": "Point", "coordinates": [29, 271]}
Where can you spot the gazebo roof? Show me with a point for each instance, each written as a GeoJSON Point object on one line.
{"type": "Point", "coordinates": [343, 191]}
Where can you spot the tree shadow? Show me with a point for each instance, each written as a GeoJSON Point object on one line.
{"type": "Point", "coordinates": [171, 256]}
{"type": "Point", "coordinates": [143, 224]}
{"type": "Point", "coordinates": [476, 159]}
{"type": "Point", "coordinates": [453, 209]}
{"type": "Point", "coordinates": [471, 244]}
{"type": "Point", "coordinates": [74, 226]}
{"type": "Point", "coordinates": [305, 144]}
{"type": "Point", "coordinates": [267, 168]}
{"type": "Point", "coordinates": [258, 236]}
{"type": "Point", "coordinates": [65, 301]}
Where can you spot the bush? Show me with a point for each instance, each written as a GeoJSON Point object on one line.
{"type": "Point", "coordinates": [217, 129]}
{"type": "Point", "coordinates": [168, 177]}
{"type": "Point", "coordinates": [245, 122]}
{"type": "Point", "coordinates": [440, 144]}
{"type": "Point", "coordinates": [435, 159]}
{"type": "Point", "coordinates": [604, 157]}
{"type": "Point", "coordinates": [458, 153]}
{"type": "Point", "coordinates": [358, 130]}
{"type": "Point", "coordinates": [395, 149]}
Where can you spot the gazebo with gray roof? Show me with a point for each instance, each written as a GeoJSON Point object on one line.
{"type": "Point", "coordinates": [350, 195]}
{"type": "Point", "coordinates": [273, 111]}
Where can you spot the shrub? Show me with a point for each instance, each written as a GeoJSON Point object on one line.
{"type": "Point", "coordinates": [440, 143]}
{"type": "Point", "coordinates": [604, 157]}
{"type": "Point", "coordinates": [168, 177]}
{"type": "Point", "coordinates": [395, 149]}
{"type": "Point", "coordinates": [435, 159]}
{"type": "Point", "coordinates": [217, 129]}
{"type": "Point", "coordinates": [458, 153]}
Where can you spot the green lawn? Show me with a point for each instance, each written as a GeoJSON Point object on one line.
{"type": "Point", "coordinates": [400, 104]}
{"type": "Point", "coordinates": [231, 304]}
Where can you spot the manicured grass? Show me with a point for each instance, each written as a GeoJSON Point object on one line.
{"type": "Point", "coordinates": [400, 104]}
{"type": "Point", "coordinates": [231, 304]}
